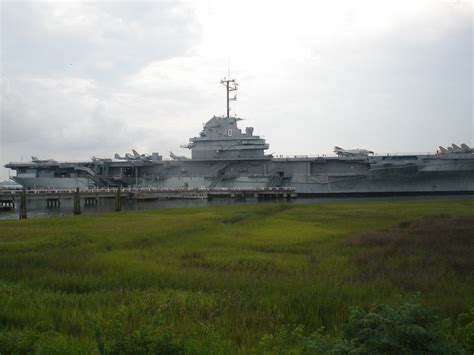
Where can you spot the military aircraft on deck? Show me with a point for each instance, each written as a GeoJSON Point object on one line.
{"type": "Point", "coordinates": [177, 157]}
{"type": "Point", "coordinates": [466, 149]}
{"type": "Point", "coordinates": [351, 152]}
{"type": "Point", "coordinates": [96, 159]}
{"type": "Point", "coordinates": [463, 149]}
{"type": "Point", "coordinates": [35, 159]}
{"type": "Point", "coordinates": [134, 156]}
{"type": "Point", "coordinates": [442, 150]}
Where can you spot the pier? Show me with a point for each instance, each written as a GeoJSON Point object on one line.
{"type": "Point", "coordinates": [9, 199]}
{"type": "Point", "coordinates": [91, 195]}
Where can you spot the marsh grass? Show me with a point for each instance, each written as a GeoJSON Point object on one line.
{"type": "Point", "coordinates": [221, 279]}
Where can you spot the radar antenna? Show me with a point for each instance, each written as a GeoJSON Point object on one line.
{"type": "Point", "coordinates": [230, 85]}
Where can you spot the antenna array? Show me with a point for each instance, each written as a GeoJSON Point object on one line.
{"type": "Point", "coordinates": [230, 85]}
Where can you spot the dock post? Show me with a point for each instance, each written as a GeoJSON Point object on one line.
{"type": "Point", "coordinates": [90, 201]}
{"type": "Point", "coordinates": [118, 200]}
{"type": "Point", "coordinates": [53, 202]}
{"type": "Point", "coordinates": [23, 204]}
{"type": "Point", "coordinates": [77, 202]}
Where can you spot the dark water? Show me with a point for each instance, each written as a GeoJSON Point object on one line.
{"type": "Point", "coordinates": [38, 209]}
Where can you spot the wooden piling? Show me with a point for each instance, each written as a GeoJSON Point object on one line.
{"type": "Point", "coordinates": [23, 204]}
{"type": "Point", "coordinates": [77, 202]}
{"type": "Point", "coordinates": [118, 200]}
{"type": "Point", "coordinates": [53, 202]}
{"type": "Point", "coordinates": [91, 201]}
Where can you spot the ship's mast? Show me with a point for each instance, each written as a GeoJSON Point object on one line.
{"type": "Point", "coordinates": [230, 85]}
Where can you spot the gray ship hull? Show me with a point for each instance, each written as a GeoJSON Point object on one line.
{"type": "Point", "coordinates": [427, 174]}
{"type": "Point", "coordinates": [367, 185]}
{"type": "Point", "coordinates": [53, 183]}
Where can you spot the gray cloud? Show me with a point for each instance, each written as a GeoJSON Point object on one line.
{"type": "Point", "coordinates": [100, 40]}
{"type": "Point", "coordinates": [62, 69]}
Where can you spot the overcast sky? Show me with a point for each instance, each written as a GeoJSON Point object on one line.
{"type": "Point", "coordinates": [96, 78]}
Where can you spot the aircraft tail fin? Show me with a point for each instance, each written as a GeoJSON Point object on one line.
{"type": "Point", "coordinates": [466, 149]}
{"type": "Point", "coordinates": [456, 148]}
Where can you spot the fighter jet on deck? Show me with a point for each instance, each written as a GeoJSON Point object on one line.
{"type": "Point", "coordinates": [118, 157]}
{"type": "Point", "coordinates": [141, 156]}
{"type": "Point", "coordinates": [134, 156]}
{"type": "Point", "coordinates": [351, 152]}
{"type": "Point", "coordinates": [442, 150]}
{"type": "Point", "coordinates": [455, 149]}
{"type": "Point", "coordinates": [35, 159]}
{"type": "Point", "coordinates": [127, 156]}
{"type": "Point", "coordinates": [95, 159]}
{"type": "Point", "coordinates": [177, 157]}
{"type": "Point", "coordinates": [135, 153]}
{"type": "Point", "coordinates": [466, 149]}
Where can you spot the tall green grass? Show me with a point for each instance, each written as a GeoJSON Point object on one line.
{"type": "Point", "coordinates": [221, 279]}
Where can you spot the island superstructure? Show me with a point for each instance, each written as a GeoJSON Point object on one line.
{"type": "Point", "coordinates": [225, 156]}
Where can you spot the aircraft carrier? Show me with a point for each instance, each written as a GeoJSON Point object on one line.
{"type": "Point", "coordinates": [225, 156]}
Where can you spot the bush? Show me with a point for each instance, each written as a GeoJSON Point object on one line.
{"type": "Point", "coordinates": [30, 341]}
{"type": "Point", "coordinates": [408, 328]}
{"type": "Point", "coordinates": [17, 342]}
{"type": "Point", "coordinates": [465, 330]}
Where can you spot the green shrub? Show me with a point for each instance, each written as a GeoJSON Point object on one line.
{"type": "Point", "coordinates": [465, 330]}
{"type": "Point", "coordinates": [30, 341]}
{"type": "Point", "coordinates": [408, 328]}
{"type": "Point", "coordinates": [17, 342]}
